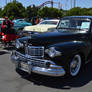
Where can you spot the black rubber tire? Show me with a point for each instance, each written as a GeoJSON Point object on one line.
{"type": "Point", "coordinates": [68, 68]}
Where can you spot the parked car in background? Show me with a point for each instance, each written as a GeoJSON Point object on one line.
{"type": "Point", "coordinates": [44, 26]}
{"type": "Point", "coordinates": [58, 53]}
{"type": "Point", "coordinates": [1, 20]}
{"type": "Point", "coordinates": [19, 24]}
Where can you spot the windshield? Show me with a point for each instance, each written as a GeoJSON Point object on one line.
{"type": "Point", "coordinates": [49, 22]}
{"type": "Point", "coordinates": [74, 24]}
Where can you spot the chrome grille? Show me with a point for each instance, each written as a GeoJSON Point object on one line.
{"type": "Point", "coordinates": [38, 63]}
{"type": "Point", "coordinates": [36, 51]}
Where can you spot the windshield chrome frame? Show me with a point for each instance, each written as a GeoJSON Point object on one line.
{"type": "Point", "coordinates": [85, 19]}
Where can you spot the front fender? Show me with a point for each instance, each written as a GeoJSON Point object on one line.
{"type": "Point", "coordinates": [68, 49]}
{"type": "Point", "coordinates": [73, 47]}
{"type": "Point", "coordinates": [24, 39]}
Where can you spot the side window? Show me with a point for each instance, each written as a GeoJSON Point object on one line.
{"type": "Point", "coordinates": [64, 23]}
{"type": "Point", "coordinates": [85, 25]}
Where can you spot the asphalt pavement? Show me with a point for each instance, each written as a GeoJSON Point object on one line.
{"type": "Point", "coordinates": [14, 81]}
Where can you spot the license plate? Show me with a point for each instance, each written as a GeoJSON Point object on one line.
{"type": "Point", "coordinates": [24, 66]}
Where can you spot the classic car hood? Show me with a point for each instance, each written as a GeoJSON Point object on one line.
{"type": "Point", "coordinates": [39, 28]}
{"type": "Point", "coordinates": [50, 38]}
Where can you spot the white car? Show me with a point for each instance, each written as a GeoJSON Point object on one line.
{"type": "Point", "coordinates": [44, 26]}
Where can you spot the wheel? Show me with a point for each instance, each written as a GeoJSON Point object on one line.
{"type": "Point", "coordinates": [75, 65]}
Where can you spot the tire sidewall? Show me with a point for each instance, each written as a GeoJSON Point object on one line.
{"type": "Point", "coordinates": [68, 66]}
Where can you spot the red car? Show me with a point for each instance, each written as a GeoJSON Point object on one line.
{"type": "Point", "coordinates": [8, 39]}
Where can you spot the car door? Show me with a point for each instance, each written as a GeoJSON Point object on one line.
{"type": "Point", "coordinates": [89, 40]}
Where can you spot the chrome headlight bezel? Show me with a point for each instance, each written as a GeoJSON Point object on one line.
{"type": "Point", "coordinates": [52, 52]}
{"type": "Point", "coordinates": [18, 44]}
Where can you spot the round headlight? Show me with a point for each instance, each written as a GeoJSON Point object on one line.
{"type": "Point", "coordinates": [52, 52]}
{"type": "Point", "coordinates": [18, 44]}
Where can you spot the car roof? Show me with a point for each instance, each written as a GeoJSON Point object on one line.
{"type": "Point", "coordinates": [53, 20]}
{"type": "Point", "coordinates": [85, 17]}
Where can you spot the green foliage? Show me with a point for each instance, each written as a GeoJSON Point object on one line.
{"type": "Point", "coordinates": [50, 12]}
{"type": "Point", "coordinates": [84, 11]}
{"type": "Point", "coordinates": [29, 11]}
{"type": "Point", "coordinates": [0, 12]}
{"type": "Point", "coordinates": [79, 11]}
{"type": "Point", "coordinates": [14, 9]}
{"type": "Point", "coordinates": [17, 10]}
{"type": "Point", "coordinates": [32, 11]}
{"type": "Point", "coordinates": [74, 12]}
{"type": "Point", "coordinates": [90, 11]}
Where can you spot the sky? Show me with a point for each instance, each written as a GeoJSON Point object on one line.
{"type": "Point", "coordinates": [66, 4]}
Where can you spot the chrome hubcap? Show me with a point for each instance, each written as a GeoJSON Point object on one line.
{"type": "Point", "coordinates": [75, 65]}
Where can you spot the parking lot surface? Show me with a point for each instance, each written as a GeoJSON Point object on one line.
{"type": "Point", "coordinates": [12, 81]}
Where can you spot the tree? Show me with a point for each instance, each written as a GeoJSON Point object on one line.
{"type": "Point", "coordinates": [79, 11]}
{"type": "Point", "coordinates": [0, 12]}
{"type": "Point", "coordinates": [14, 9]}
{"type": "Point", "coordinates": [84, 11]}
{"type": "Point", "coordinates": [89, 11]}
{"type": "Point", "coordinates": [50, 12]}
{"type": "Point", "coordinates": [32, 11]}
{"type": "Point", "coordinates": [29, 11]}
{"type": "Point", "coordinates": [74, 12]}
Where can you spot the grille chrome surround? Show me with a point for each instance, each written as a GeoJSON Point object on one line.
{"type": "Point", "coordinates": [35, 51]}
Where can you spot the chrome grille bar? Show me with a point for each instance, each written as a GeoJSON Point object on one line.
{"type": "Point", "coordinates": [36, 51]}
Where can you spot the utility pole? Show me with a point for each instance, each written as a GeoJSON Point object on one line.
{"type": "Point", "coordinates": [74, 3]}
{"type": "Point", "coordinates": [51, 3]}
{"type": "Point", "coordinates": [59, 5]}
{"type": "Point", "coordinates": [14, 0]}
{"type": "Point", "coordinates": [66, 4]}
{"type": "Point", "coordinates": [71, 3]}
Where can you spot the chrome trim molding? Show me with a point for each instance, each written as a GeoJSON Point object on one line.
{"type": "Point", "coordinates": [53, 70]}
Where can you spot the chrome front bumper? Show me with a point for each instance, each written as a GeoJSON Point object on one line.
{"type": "Point", "coordinates": [53, 70]}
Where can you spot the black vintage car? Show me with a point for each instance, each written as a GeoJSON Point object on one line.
{"type": "Point", "coordinates": [57, 53]}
